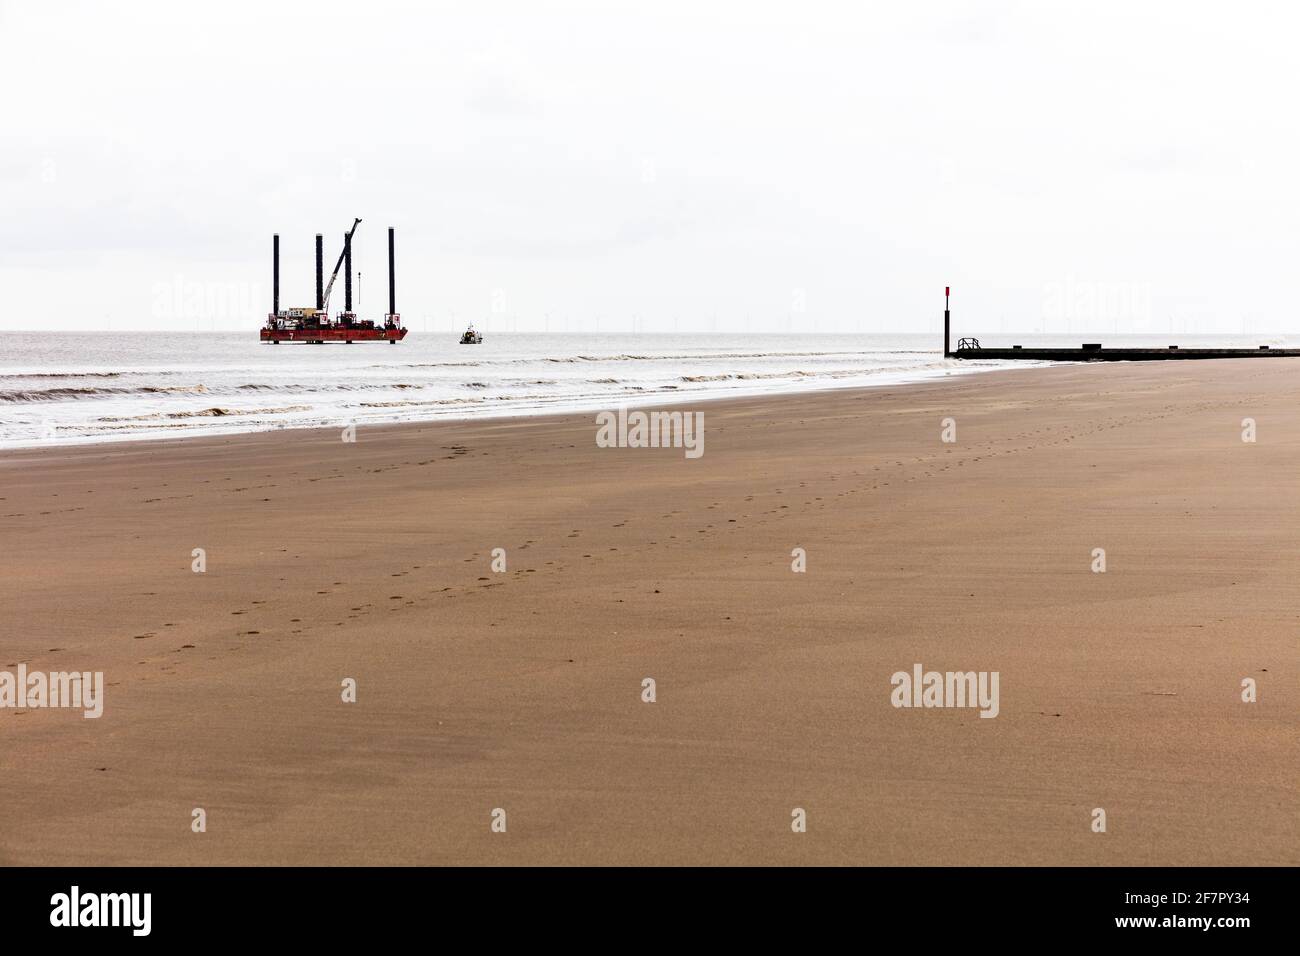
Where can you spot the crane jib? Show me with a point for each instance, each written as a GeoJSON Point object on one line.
{"type": "Point", "coordinates": [347, 241]}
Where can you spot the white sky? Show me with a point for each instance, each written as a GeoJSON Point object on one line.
{"type": "Point", "coordinates": [739, 166]}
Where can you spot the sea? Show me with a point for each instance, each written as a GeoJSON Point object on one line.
{"type": "Point", "coordinates": [70, 388]}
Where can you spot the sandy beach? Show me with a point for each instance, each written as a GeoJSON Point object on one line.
{"type": "Point", "coordinates": [522, 690]}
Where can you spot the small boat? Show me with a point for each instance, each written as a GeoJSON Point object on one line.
{"type": "Point", "coordinates": [471, 337]}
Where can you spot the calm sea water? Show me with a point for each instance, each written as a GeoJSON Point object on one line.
{"type": "Point", "coordinates": [65, 388]}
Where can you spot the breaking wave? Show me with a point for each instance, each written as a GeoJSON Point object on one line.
{"type": "Point", "coordinates": [111, 387]}
{"type": "Point", "coordinates": [63, 393]}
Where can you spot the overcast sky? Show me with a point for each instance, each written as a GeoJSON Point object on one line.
{"type": "Point", "coordinates": [828, 166]}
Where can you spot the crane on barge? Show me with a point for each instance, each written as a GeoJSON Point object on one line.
{"type": "Point", "coordinates": [313, 325]}
{"type": "Point", "coordinates": [345, 254]}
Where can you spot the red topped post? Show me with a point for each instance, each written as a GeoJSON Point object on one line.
{"type": "Point", "coordinates": [946, 351]}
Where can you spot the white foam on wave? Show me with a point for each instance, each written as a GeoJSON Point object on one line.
{"type": "Point", "coordinates": [69, 389]}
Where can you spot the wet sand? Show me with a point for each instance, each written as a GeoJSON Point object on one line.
{"type": "Point", "coordinates": [522, 690]}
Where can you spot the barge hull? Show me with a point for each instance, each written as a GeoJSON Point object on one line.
{"type": "Point", "coordinates": [321, 336]}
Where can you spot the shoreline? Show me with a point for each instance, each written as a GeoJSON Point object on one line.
{"type": "Point", "coordinates": [657, 399]}
{"type": "Point", "coordinates": [523, 689]}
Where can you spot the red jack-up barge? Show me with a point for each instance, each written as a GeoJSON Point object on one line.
{"type": "Point", "coordinates": [314, 325]}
